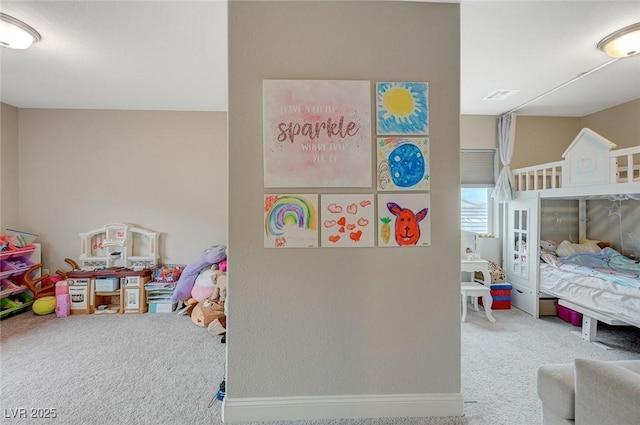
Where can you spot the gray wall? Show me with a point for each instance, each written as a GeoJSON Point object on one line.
{"type": "Point", "coordinates": [82, 169]}
{"type": "Point", "coordinates": [9, 163]}
{"type": "Point", "coordinates": [313, 322]}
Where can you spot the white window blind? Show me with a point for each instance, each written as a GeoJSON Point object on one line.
{"type": "Point", "coordinates": [477, 167]}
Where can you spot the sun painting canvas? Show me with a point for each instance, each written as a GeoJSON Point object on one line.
{"type": "Point", "coordinates": [347, 220]}
{"type": "Point", "coordinates": [402, 108]}
{"type": "Point", "coordinates": [291, 221]}
{"type": "Point", "coordinates": [403, 164]}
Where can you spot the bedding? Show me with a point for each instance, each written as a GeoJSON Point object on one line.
{"type": "Point", "coordinates": [600, 295]}
{"type": "Point", "coordinates": [607, 264]}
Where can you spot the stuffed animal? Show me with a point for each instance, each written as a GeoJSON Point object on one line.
{"type": "Point", "coordinates": [220, 292]}
{"type": "Point", "coordinates": [187, 278]}
{"type": "Point", "coordinates": [222, 266]}
{"type": "Point", "coordinates": [218, 326]}
{"type": "Point", "coordinates": [205, 284]}
{"type": "Point", "coordinates": [207, 311]}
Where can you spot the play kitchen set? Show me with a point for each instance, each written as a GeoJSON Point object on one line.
{"type": "Point", "coordinates": [116, 262]}
{"type": "Point", "coordinates": [112, 290]}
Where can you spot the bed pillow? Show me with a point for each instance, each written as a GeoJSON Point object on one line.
{"type": "Point", "coordinates": [548, 257]}
{"type": "Point", "coordinates": [567, 248]}
{"type": "Point", "coordinates": [549, 245]}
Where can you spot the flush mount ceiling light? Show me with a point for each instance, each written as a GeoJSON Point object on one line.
{"type": "Point", "coordinates": [15, 34]}
{"type": "Point", "coordinates": [622, 43]}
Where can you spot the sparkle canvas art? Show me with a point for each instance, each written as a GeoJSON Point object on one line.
{"type": "Point", "coordinates": [317, 133]}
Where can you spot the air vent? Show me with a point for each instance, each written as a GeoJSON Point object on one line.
{"type": "Point", "coordinates": [500, 94]}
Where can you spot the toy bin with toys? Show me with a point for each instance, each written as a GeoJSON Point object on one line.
{"type": "Point", "coordinates": [501, 295]}
{"type": "Point", "coordinates": [15, 303]}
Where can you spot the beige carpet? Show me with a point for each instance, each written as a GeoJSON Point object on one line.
{"type": "Point", "coordinates": [162, 369]}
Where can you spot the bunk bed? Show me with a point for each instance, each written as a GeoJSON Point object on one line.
{"type": "Point", "coordinates": [591, 169]}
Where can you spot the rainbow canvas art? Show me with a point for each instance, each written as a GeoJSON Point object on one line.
{"type": "Point", "coordinates": [291, 221]}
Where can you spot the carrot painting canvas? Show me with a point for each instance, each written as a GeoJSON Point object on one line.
{"type": "Point", "coordinates": [404, 220]}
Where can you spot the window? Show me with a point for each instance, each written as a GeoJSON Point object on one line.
{"type": "Point", "coordinates": [474, 209]}
{"type": "Point", "coordinates": [477, 170]}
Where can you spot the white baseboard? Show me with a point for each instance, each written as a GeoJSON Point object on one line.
{"type": "Point", "coordinates": [341, 407]}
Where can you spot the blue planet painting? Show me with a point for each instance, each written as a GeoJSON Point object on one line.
{"type": "Point", "coordinates": [403, 163]}
{"type": "Point", "coordinates": [406, 165]}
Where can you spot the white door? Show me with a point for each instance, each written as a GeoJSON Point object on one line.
{"type": "Point", "coordinates": [521, 253]}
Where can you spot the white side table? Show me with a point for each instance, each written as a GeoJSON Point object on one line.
{"type": "Point", "coordinates": [476, 290]}
{"type": "Point", "coordinates": [477, 265]}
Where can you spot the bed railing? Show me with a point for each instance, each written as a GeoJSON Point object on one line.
{"type": "Point", "coordinates": [625, 165]}
{"type": "Point", "coordinates": [538, 177]}
{"type": "Point", "coordinates": [624, 168]}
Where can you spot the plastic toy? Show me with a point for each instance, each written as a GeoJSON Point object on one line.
{"type": "Point", "coordinates": [42, 286]}
{"type": "Point", "coordinates": [44, 305]}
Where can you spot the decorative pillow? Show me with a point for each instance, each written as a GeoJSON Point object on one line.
{"type": "Point", "coordinates": [548, 257]}
{"type": "Point", "coordinates": [495, 271]}
{"type": "Point", "coordinates": [567, 248]}
{"type": "Point", "coordinates": [587, 241]}
{"type": "Point", "coordinates": [548, 245]}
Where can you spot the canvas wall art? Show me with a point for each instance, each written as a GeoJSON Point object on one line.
{"type": "Point", "coordinates": [403, 163]}
{"type": "Point", "coordinates": [291, 221]}
{"type": "Point", "coordinates": [404, 219]}
{"type": "Point", "coordinates": [402, 108]}
{"type": "Point", "coordinates": [347, 220]}
{"type": "Point", "coordinates": [317, 133]}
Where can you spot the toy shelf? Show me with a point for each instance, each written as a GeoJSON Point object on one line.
{"type": "Point", "coordinates": [15, 303]}
{"type": "Point", "coordinates": [17, 252]}
{"type": "Point", "coordinates": [14, 262]}
{"type": "Point", "coordinates": [9, 288]}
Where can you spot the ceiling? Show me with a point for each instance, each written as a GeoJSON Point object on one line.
{"type": "Point", "coordinates": [88, 59]}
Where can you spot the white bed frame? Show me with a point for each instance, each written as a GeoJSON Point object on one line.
{"type": "Point", "coordinates": [591, 168]}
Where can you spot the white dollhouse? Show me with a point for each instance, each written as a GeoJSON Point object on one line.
{"type": "Point", "coordinates": [119, 245]}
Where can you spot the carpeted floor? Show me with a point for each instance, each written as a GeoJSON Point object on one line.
{"type": "Point", "coordinates": [143, 373]}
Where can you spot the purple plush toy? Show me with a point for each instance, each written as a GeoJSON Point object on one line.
{"type": "Point", "coordinates": [211, 256]}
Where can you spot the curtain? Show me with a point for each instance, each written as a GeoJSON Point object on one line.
{"type": "Point", "coordinates": [503, 192]}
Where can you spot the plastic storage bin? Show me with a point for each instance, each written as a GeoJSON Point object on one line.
{"type": "Point", "coordinates": [569, 315]}
{"type": "Point", "coordinates": [501, 295]}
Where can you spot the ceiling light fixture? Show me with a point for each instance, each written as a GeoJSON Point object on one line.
{"type": "Point", "coordinates": [15, 34]}
{"type": "Point", "coordinates": [623, 43]}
